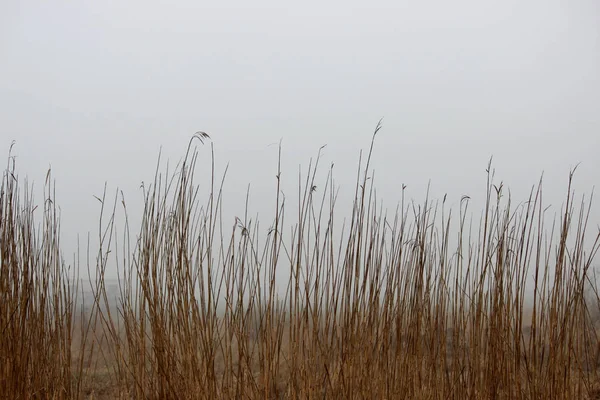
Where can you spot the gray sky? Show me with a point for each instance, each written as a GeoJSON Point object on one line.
{"type": "Point", "coordinates": [94, 89]}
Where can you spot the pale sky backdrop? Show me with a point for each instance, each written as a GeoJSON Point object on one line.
{"type": "Point", "coordinates": [94, 89]}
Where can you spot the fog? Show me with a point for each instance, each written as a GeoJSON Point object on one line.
{"type": "Point", "coordinates": [94, 90]}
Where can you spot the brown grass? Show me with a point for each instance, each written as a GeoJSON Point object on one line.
{"type": "Point", "coordinates": [422, 304]}
{"type": "Point", "coordinates": [36, 298]}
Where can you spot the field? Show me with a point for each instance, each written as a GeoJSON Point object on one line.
{"type": "Point", "coordinates": [424, 303]}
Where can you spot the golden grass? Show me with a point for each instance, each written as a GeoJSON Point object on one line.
{"type": "Point", "coordinates": [421, 304]}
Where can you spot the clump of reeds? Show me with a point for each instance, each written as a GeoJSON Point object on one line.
{"type": "Point", "coordinates": [417, 304]}
{"type": "Point", "coordinates": [422, 303]}
{"type": "Point", "coordinates": [37, 302]}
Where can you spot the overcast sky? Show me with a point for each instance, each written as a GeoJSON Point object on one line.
{"type": "Point", "coordinates": [95, 89]}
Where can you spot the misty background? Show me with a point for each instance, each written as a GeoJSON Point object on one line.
{"type": "Point", "coordinates": [94, 90]}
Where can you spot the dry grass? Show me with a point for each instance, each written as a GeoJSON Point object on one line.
{"type": "Point", "coordinates": [36, 298]}
{"type": "Point", "coordinates": [422, 304]}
